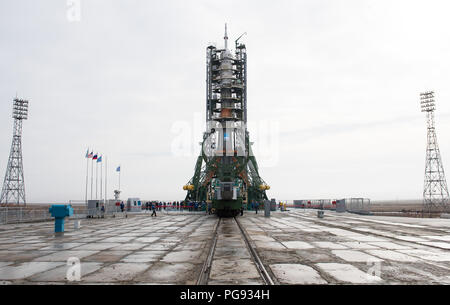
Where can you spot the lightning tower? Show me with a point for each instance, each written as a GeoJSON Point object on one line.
{"type": "Point", "coordinates": [226, 173]}
{"type": "Point", "coordinates": [435, 191]}
{"type": "Point", "coordinates": [14, 186]}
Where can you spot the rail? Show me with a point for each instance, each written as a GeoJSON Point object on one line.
{"type": "Point", "coordinates": [206, 269]}
{"type": "Point", "coordinates": [259, 265]}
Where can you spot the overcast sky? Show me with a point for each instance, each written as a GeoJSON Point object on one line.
{"type": "Point", "coordinates": [336, 82]}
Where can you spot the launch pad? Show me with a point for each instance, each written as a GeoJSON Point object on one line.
{"type": "Point", "coordinates": [295, 247]}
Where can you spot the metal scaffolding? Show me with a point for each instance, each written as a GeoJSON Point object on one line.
{"type": "Point", "coordinates": [226, 168]}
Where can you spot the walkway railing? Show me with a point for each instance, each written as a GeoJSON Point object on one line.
{"type": "Point", "coordinates": [9, 215]}
{"type": "Point", "coordinates": [22, 214]}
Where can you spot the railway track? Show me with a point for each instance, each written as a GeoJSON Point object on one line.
{"type": "Point", "coordinates": [233, 258]}
{"type": "Point", "coordinates": [259, 265]}
{"type": "Point", "coordinates": [204, 274]}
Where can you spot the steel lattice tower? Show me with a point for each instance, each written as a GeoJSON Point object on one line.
{"type": "Point", "coordinates": [435, 191]}
{"type": "Point", "coordinates": [14, 186]}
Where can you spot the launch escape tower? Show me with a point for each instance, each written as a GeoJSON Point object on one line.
{"type": "Point", "coordinates": [226, 172]}
{"type": "Point", "coordinates": [435, 192]}
{"type": "Point", "coordinates": [14, 186]}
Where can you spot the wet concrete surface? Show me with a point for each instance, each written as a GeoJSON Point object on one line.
{"type": "Point", "coordinates": [353, 249]}
{"type": "Point", "coordinates": [297, 274]}
{"type": "Point", "coordinates": [295, 247]}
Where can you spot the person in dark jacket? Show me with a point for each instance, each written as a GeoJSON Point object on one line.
{"type": "Point", "coordinates": [154, 210]}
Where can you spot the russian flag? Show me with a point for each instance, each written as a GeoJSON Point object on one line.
{"type": "Point", "coordinates": [94, 157]}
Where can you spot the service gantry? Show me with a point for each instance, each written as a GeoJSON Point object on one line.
{"type": "Point", "coordinates": [226, 173]}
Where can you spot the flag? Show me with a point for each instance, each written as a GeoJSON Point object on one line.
{"type": "Point", "coordinates": [118, 169]}
{"type": "Point", "coordinates": [90, 155]}
{"type": "Point", "coordinates": [87, 153]}
{"type": "Point", "coordinates": [99, 159]}
{"type": "Point", "coordinates": [94, 157]}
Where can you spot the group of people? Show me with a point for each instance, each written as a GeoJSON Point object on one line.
{"type": "Point", "coordinates": [176, 205]}
{"type": "Point", "coordinates": [182, 205]}
{"type": "Point", "coordinates": [196, 206]}
{"type": "Point", "coordinates": [187, 205]}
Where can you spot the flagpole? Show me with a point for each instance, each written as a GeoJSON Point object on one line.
{"type": "Point", "coordinates": [106, 177]}
{"type": "Point", "coordinates": [101, 179]}
{"type": "Point", "coordinates": [87, 174]}
{"type": "Point", "coordinates": [92, 176]}
{"type": "Point", "coordinates": [96, 179]}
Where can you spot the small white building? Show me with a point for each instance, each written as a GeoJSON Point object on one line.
{"type": "Point", "coordinates": [134, 205]}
